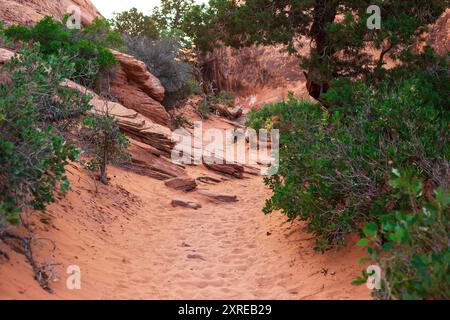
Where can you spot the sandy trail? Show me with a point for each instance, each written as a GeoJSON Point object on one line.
{"type": "Point", "coordinates": [130, 243]}
{"type": "Point", "coordinates": [233, 251]}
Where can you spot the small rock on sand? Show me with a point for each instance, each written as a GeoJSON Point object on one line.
{"type": "Point", "coordinates": [195, 256]}
{"type": "Point", "coordinates": [222, 197]}
{"type": "Point", "coordinates": [186, 203]}
{"type": "Point", "coordinates": [181, 183]}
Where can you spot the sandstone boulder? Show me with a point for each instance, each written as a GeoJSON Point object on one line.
{"type": "Point", "coordinates": [186, 203]}
{"type": "Point", "coordinates": [5, 55]}
{"type": "Point", "coordinates": [216, 196]}
{"type": "Point", "coordinates": [185, 183]}
{"type": "Point", "coordinates": [138, 89]}
{"type": "Point", "coordinates": [136, 71]}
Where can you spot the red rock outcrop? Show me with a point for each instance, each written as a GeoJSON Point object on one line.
{"type": "Point", "coordinates": [136, 88]}
{"type": "Point", "coordinates": [137, 72]}
{"type": "Point", "coordinates": [185, 183]}
{"type": "Point", "coordinates": [439, 35]}
{"type": "Point", "coordinates": [5, 55]}
{"type": "Point", "coordinates": [133, 123]}
{"type": "Point", "coordinates": [243, 70]}
{"type": "Point", "coordinates": [28, 12]}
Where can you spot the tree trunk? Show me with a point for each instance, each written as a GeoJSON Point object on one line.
{"type": "Point", "coordinates": [103, 173]}
{"type": "Point", "coordinates": [324, 13]}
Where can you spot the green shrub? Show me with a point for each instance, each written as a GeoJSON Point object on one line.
{"type": "Point", "coordinates": [411, 242]}
{"type": "Point", "coordinates": [134, 23]}
{"type": "Point", "coordinates": [203, 109]}
{"type": "Point", "coordinates": [34, 114]}
{"type": "Point", "coordinates": [335, 164]}
{"type": "Point", "coordinates": [225, 98]}
{"type": "Point", "coordinates": [88, 46]}
{"type": "Point", "coordinates": [108, 144]}
{"type": "Point", "coordinates": [179, 121]}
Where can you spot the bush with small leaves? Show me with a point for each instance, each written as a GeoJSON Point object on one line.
{"type": "Point", "coordinates": [411, 242]}
{"type": "Point", "coordinates": [335, 163]}
{"type": "Point", "coordinates": [88, 46]}
{"type": "Point", "coordinates": [107, 143]}
{"type": "Point", "coordinates": [35, 112]}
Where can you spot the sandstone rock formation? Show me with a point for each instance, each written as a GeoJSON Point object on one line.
{"type": "Point", "coordinates": [5, 55]}
{"type": "Point", "coordinates": [137, 72]}
{"type": "Point", "coordinates": [28, 12]}
{"type": "Point", "coordinates": [146, 163]}
{"type": "Point", "coordinates": [131, 122]}
{"type": "Point", "coordinates": [136, 88]}
{"type": "Point", "coordinates": [185, 183]}
{"type": "Point", "coordinates": [245, 70]}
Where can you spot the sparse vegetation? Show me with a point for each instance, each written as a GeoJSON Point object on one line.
{"type": "Point", "coordinates": [108, 144]}
{"type": "Point", "coordinates": [162, 59]}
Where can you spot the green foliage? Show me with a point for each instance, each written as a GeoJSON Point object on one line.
{"type": "Point", "coordinates": [335, 164]}
{"type": "Point", "coordinates": [202, 24]}
{"type": "Point", "coordinates": [203, 110]}
{"type": "Point", "coordinates": [411, 242]}
{"type": "Point", "coordinates": [88, 47]}
{"type": "Point", "coordinates": [179, 121]}
{"type": "Point", "coordinates": [225, 98]}
{"type": "Point", "coordinates": [158, 41]}
{"type": "Point", "coordinates": [34, 114]}
{"type": "Point", "coordinates": [170, 17]}
{"type": "Point", "coordinates": [107, 142]}
{"type": "Point", "coordinates": [134, 23]}
{"type": "Point", "coordinates": [339, 47]}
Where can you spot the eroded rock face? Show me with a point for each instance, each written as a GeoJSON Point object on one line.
{"type": "Point", "coordinates": [133, 123]}
{"type": "Point", "coordinates": [137, 72]}
{"type": "Point", "coordinates": [136, 88]}
{"type": "Point", "coordinates": [28, 12]}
